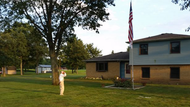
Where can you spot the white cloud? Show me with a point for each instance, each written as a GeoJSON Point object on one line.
{"type": "Point", "coordinates": [109, 27]}
{"type": "Point", "coordinates": [150, 18]}
{"type": "Point", "coordinates": [111, 14]}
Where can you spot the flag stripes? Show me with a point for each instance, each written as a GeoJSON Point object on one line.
{"type": "Point", "coordinates": [130, 31]}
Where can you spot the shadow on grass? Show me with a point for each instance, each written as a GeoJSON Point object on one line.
{"type": "Point", "coordinates": [73, 80]}
{"type": "Point", "coordinates": [27, 79]}
{"type": "Point", "coordinates": [171, 90]}
{"type": "Point", "coordinates": [80, 83]}
{"type": "Point", "coordinates": [31, 91]}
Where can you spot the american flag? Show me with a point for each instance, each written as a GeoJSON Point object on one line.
{"type": "Point", "coordinates": [130, 35]}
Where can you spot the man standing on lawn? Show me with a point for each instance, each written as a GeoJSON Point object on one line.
{"type": "Point", "coordinates": [61, 82]}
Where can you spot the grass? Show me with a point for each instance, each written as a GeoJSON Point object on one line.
{"type": "Point", "coordinates": [31, 90]}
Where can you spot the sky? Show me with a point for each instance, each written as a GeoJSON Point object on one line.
{"type": "Point", "coordinates": [150, 18]}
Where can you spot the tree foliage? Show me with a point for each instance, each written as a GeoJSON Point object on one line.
{"type": "Point", "coordinates": [93, 51]}
{"type": "Point", "coordinates": [37, 47]}
{"type": "Point", "coordinates": [55, 19]}
{"type": "Point", "coordinates": [74, 53]}
{"type": "Point", "coordinates": [6, 42]}
{"type": "Point", "coordinates": [184, 4]}
{"type": "Point", "coordinates": [112, 52]}
{"type": "Point", "coordinates": [21, 43]}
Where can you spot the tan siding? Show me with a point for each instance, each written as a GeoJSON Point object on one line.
{"type": "Point", "coordinates": [11, 70]}
{"type": "Point", "coordinates": [113, 70]}
{"type": "Point", "coordinates": [161, 74]}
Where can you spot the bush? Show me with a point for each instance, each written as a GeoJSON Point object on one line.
{"type": "Point", "coordinates": [122, 83]}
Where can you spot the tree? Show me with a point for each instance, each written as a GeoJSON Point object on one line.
{"type": "Point", "coordinates": [185, 4]}
{"type": "Point", "coordinates": [56, 19]}
{"type": "Point", "coordinates": [128, 48]}
{"type": "Point", "coordinates": [5, 46]}
{"type": "Point", "coordinates": [22, 42]}
{"type": "Point", "coordinates": [112, 52]}
{"type": "Point", "coordinates": [45, 61]}
{"type": "Point", "coordinates": [75, 53]}
{"type": "Point", "coordinates": [37, 46]}
{"type": "Point", "coordinates": [17, 44]}
{"type": "Point", "coordinates": [93, 51]}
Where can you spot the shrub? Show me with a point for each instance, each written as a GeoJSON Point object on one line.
{"type": "Point", "coordinates": [122, 83]}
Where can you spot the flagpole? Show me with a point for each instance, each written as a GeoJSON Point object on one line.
{"type": "Point", "coordinates": [132, 65]}
{"type": "Point", "coordinates": [131, 43]}
{"type": "Point", "coordinates": [132, 70]}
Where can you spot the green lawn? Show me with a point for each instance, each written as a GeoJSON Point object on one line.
{"type": "Point", "coordinates": [31, 90]}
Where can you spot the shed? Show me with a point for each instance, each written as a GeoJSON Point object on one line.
{"type": "Point", "coordinates": [9, 70]}
{"type": "Point", "coordinates": [43, 69]}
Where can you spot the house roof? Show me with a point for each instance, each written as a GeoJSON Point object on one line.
{"type": "Point", "coordinates": [45, 66]}
{"type": "Point", "coordinates": [121, 56]}
{"type": "Point", "coordinates": [163, 37]}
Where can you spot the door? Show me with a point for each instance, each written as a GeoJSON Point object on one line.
{"type": "Point", "coordinates": [122, 69]}
{"type": "Point", "coordinates": [127, 71]}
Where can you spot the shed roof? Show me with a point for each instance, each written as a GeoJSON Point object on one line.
{"type": "Point", "coordinates": [121, 56]}
{"type": "Point", "coordinates": [45, 66]}
{"type": "Point", "coordinates": [163, 37]}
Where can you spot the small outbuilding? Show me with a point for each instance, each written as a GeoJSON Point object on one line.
{"type": "Point", "coordinates": [9, 70]}
{"type": "Point", "coordinates": [43, 69]}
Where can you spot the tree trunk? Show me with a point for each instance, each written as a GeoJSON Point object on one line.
{"type": "Point", "coordinates": [77, 69]}
{"type": "Point", "coordinates": [37, 63]}
{"type": "Point", "coordinates": [72, 70]}
{"type": "Point", "coordinates": [54, 67]}
{"type": "Point", "coordinates": [4, 71]}
{"type": "Point", "coordinates": [21, 66]}
{"type": "Point", "coordinates": [37, 68]}
{"type": "Point", "coordinates": [59, 64]}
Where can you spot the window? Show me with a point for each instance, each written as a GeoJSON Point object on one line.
{"type": "Point", "coordinates": [101, 66]}
{"type": "Point", "coordinates": [175, 47]}
{"type": "Point", "coordinates": [175, 72]}
{"type": "Point", "coordinates": [145, 72]}
{"type": "Point", "coordinates": [143, 49]}
{"type": "Point", "coordinates": [127, 68]}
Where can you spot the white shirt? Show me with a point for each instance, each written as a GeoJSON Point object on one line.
{"type": "Point", "coordinates": [61, 77]}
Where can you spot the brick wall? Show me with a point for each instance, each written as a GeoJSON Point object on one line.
{"type": "Point", "coordinates": [113, 70]}
{"type": "Point", "coordinates": [161, 74]}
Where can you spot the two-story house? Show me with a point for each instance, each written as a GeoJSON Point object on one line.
{"type": "Point", "coordinates": [162, 58]}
